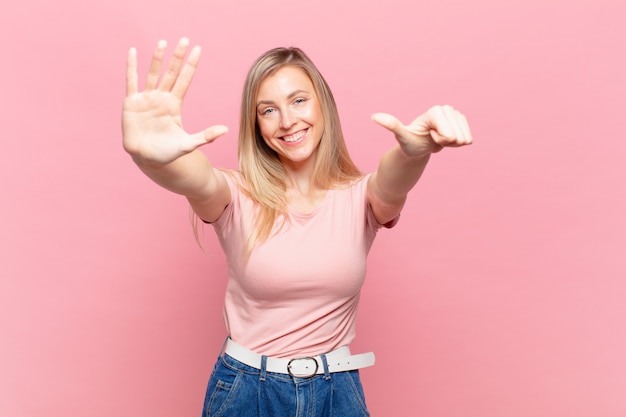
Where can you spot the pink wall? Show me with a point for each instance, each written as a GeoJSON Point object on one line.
{"type": "Point", "coordinates": [500, 293]}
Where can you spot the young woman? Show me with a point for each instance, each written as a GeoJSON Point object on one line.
{"type": "Point", "coordinates": [296, 222]}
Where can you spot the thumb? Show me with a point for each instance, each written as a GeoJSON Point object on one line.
{"type": "Point", "coordinates": [206, 136]}
{"type": "Point", "coordinates": [389, 122]}
{"type": "Point", "coordinates": [214, 132]}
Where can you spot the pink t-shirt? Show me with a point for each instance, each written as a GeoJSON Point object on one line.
{"type": "Point", "coordinates": [298, 293]}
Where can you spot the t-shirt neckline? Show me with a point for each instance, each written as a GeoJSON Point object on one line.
{"type": "Point", "coordinates": [304, 215]}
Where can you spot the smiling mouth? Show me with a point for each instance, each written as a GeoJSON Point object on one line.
{"type": "Point", "coordinates": [295, 137]}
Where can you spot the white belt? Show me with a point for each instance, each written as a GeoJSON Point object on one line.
{"type": "Point", "coordinates": [338, 360]}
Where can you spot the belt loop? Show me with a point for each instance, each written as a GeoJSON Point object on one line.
{"type": "Point", "coordinates": [263, 367]}
{"type": "Point", "coordinates": [325, 363]}
{"type": "Point", "coordinates": [223, 347]}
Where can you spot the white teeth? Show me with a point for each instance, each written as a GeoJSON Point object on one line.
{"type": "Point", "coordinates": [295, 137]}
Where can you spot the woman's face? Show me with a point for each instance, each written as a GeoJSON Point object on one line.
{"type": "Point", "coordinates": [289, 116]}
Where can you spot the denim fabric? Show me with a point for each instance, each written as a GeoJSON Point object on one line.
{"type": "Point", "coordinates": [236, 389]}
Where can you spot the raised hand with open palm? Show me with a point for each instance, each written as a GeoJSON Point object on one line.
{"type": "Point", "coordinates": [151, 119]}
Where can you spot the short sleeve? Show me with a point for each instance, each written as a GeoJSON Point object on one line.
{"type": "Point", "coordinates": [371, 219]}
{"type": "Point", "coordinates": [222, 222]}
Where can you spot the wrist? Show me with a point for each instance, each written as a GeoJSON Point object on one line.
{"type": "Point", "coordinates": [414, 156]}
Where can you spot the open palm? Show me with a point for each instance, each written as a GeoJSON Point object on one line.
{"type": "Point", "coordinates": [151, 119]}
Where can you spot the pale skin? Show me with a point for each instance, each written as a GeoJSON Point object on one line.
{"type": "Point", "coordinates": [289, 122]}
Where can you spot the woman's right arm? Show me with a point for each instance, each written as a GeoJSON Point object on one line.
{"type": "Point", "coordinates": [153, 133]}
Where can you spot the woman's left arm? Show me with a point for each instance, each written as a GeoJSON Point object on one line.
{"type": "Point", "coordinates": [401, 167]}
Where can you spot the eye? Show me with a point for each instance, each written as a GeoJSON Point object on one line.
{"type": "Point", "coordinates": [267, 111]}
{"type": "Point", "coordinates": [299, 101]}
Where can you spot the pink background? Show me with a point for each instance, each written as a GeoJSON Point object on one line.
{"type": "Point", "coordinates": [500, 293]}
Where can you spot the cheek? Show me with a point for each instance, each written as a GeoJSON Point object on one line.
{"type": "Point", "coordinates": [266, 135]}
{"type": "Point", "coordinates": [269, 144]}
{"type": "Point", "coordinates": [265, 128]}
{"type": "Point", "coordinates": [308, 113]}
{"type": "Point", "coordinates": [315, 113]}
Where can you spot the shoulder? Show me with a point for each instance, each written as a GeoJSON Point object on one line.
{"type": "Point", "coordinates": [352, 184]}
{"type": "Point", "coordinates": [235, 181]}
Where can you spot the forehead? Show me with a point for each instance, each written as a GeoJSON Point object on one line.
{"type": "Point", "coordinates": [283, 82]}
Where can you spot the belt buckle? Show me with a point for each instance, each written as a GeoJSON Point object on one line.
{"type": "Point", "coordinates": [307, 375]}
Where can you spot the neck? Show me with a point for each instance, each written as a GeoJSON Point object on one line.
{"type": "Point", "coordinates": [300, 176]}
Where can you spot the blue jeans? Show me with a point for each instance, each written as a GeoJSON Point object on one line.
{"type": "Point", "coordinates": [236, 389]}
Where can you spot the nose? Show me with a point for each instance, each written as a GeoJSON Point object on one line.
{"type": "Point", "coordinates": [287, 119]}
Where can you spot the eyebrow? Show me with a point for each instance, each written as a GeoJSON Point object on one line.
{"type": "Point", "coordinates": [290, 96]}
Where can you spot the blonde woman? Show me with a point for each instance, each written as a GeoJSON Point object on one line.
{"type": "Point", "coordinates": [296, 222]}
